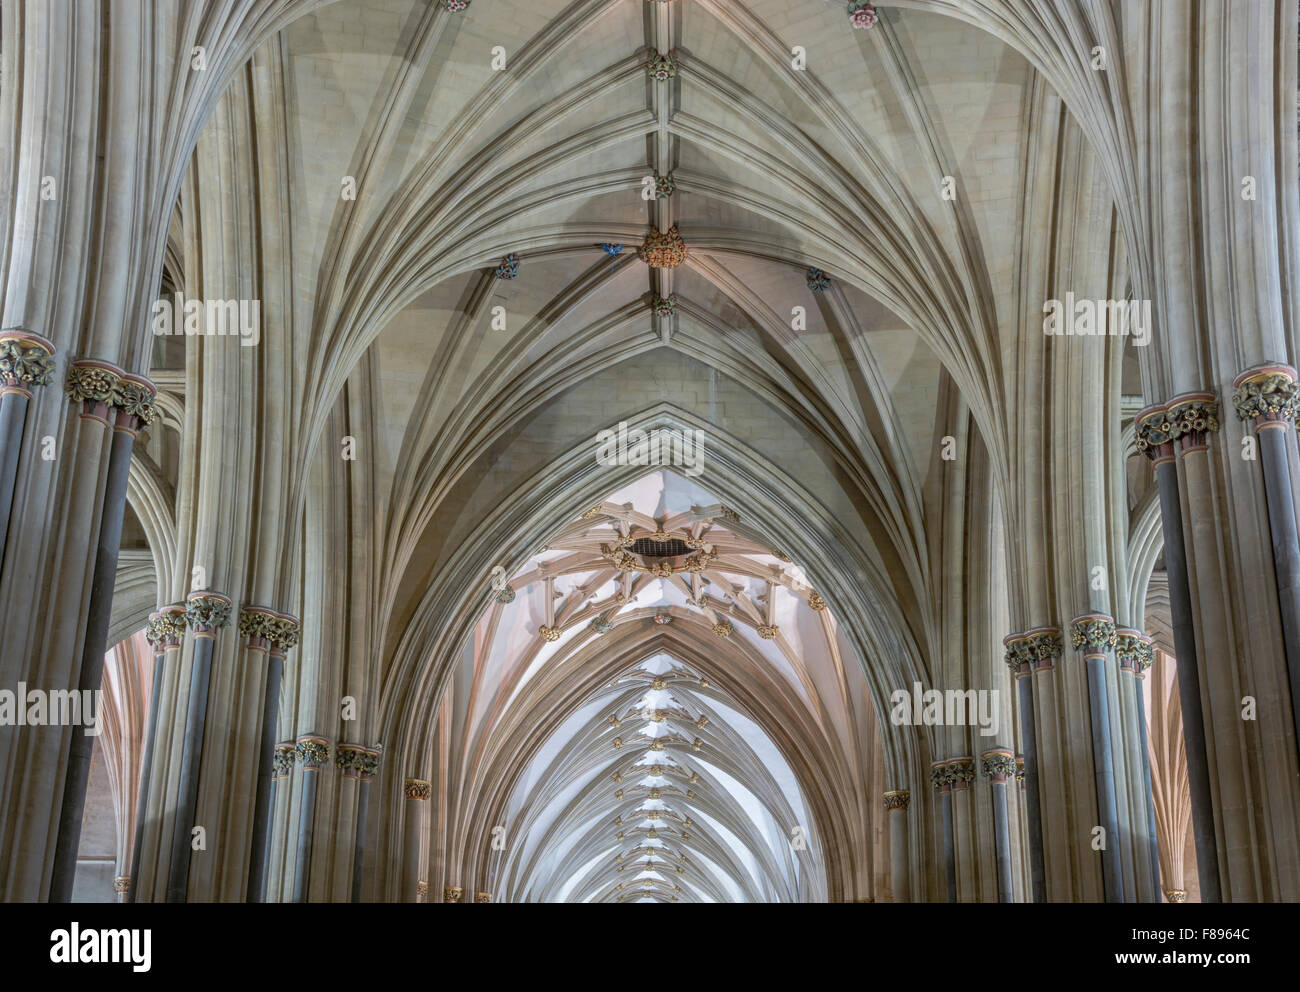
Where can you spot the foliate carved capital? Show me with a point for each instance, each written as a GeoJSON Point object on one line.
{"type": "Point", "coordinates": [165, 628]}
{"type": "Point", "coordinates": [1093, 634]}
{"type": "Point", "coordinates": [207, 612]}
{"type": "Point", "coordinates": [897, 799]}
{"type": "Point", "coordinates": [483, 897]}
{"type": "Point", "coordinates": [313, 752]}
{"type": "Point", "coordinates": [1043, 645]}
{"type": "Point", "coordinates": [1017, 654]}
{"type": "Point", "coordinates": [1020, 769]}
{"type": "Point", "coordinates": [99, 387]}
{"type": "Point", "coordinates": [1193, 417]}
{"type": "Point", "coordinates": [25, 360]}
{"type": "Point", "coordinates": [135, 402]}
{"type": "Point", "coordinates": [255, 623]}
{"type": "Point", "coordinates": [357, 761]}
{"type": "Point", "coordinates": [997, 764]}
{"type": "Point", "coordinates": [453, 893]}
{"type": "Point", "coordinates": [1268, 395]}
{"type": "Point", "coordinates": [962, 772]}
{"type": "Point", "coordinates": [1176, 895]}
{"type": "Point", "coordinates": [1154, 433]}
{"type": "Point", "coordinates": [286, 753]}
{"type": "Point", "coordinates": [417, 788]}
{"type": "Point", "coordinates": [121, 883]}
{"type": "Point", "coordinates": [1131, 647]}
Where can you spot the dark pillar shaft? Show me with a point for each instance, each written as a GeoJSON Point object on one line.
{"type": "Point", "coordinates": [359, 851]}
{"type": "Point", "coordinates": [178, 877]}
{"type": "Point", "coordinates": [949, 846]}
{"type": "Point", "coordinates": [28, 361]}
{"type": "Point", "coordinates": [1189, 683]}
{"type": "Point", "coordinates": [1286, 548]}
{"type": "Point", "coordinates": [1033, 812]}
{"type": "Point", "coordinates": [98, 614]}
{"type": "Point", "coordinates": [265, 759]}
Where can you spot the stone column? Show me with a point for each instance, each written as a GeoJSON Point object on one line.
{"type": "Point", "coordinates": [313, 752]}
{"type": "Point", "coordinates": [1269, 397]}
{"type": "Point", "coordinates": [1158, 429]}
{"type": "Point", "coordinates": [1026, 871]}
{"type": "Point", "coordinates": [417, 793]}
{"type": "Point", "coordinates": [282, 762]}
{"type": "Point", "coordinates": [26, 360]}
{"type": "Point", "coordinates": [896, 802]}
{"type": "Point", "coordinates": [1094, 635]}
{"type": "Point", "coordinates": [112, 397]}
{"type": "Point", "coordinates": [1020, 656]}
{"type": "Point", "coordinates": [1131, 649]}
{"type": "Point", "coordinates": [961, 771]}
{"type": "Point", "coordinates": [165, 630]}
{"type": "Point", "coordinates": [360, 763]}
{"type": "Point", "coordinates": [270, 634]}
{"type": "Point", "coordinates": [997, 763]}
{"type": "Point", "coordinates": [206, 613]}
{"type": "Point", "coordinates": [941, 773]}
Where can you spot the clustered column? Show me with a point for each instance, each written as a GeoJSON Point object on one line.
{"type": "Point", "coordinates": [1269, 397]}
{"type": "Point", "coordinates": [896, 802]}
{"type": "Point", "coordinates": [206, 613]}
{"type": "Point", "coordinates": [417, 795]}
{"type": "Point", "coordinates": [124, 403]}
{"type": "Point", "coordinates": [997, 763]}
{"type": "Point", "coordinates": [271, 634]}
{"type": "Point", "coordinates": [1182, 425]}
{"type": "Point", "coordinates": [360, 763]}
{"type": "Point", "coordinates": [164, 631]}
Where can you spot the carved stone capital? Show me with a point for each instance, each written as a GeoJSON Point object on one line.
{"type": "Point", "coordinates": [483, 897]}
{"type": "Point", "coordinates": [135, 403]}
{"type": "Point", "coordinates": [1193, 417]}
{"type": "Point", "coordinates": [121, 883]}
{"type": "Point", "coordinates": [256, 623]}
{"type": "Point", "coordinates": [422, 891]}
{"type": "Point", "coordinates": [1044, 645]}
{"type": "Point", "coordinates": [1176, 895]}
{"type": "Point", "coordinates": [1017, 655]}
{"type": "Point", "coordinates": [1093, 634]}
{"type": "Point", "coordinates": [1020, 770]}
{"type": "Point", "coordinates": [26, 360]}
{"type": "Point", "coordinates": [1267, 395]}
{"type": "Point", "coordinates": [357, 761]}
{"type": "Point", "coordinates": [313, 752]}
{"type": "Point", "coordinates": [286, 753]}
{"type": "Point", "coordinates": [417, 788]}
{"type": "Point", "coordinates": [1155, 437]}
{"type": "Point", "coordinates": [962, 772]}
{"type": "Point", "coordinates": [453, 893]}
{"type": "Point", "coordinates": [897, 799]}
{"type": "Point", "coordinates": [997, 763]}
{"type": "Point", "coordinates": [166, 628]}
{"type": "Point", "coordinates": [207, 612]}
{"type": "Point", "coordinates": [1131, 649]}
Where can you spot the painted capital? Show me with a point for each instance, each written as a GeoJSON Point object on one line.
{"type": "Point", "coordinates": [1093, 634]}
{"type": "Point", "coordinates": [26, 360]}
{"type": "Point", "coordinates": [1017, 655]}
{"type": "Point", "coordinates": [663, 249]}
{"type": "Point", "coordinates": [1176, 895]}
{"type": "Point", "coordinates": [1020, 770]}
{"type": "Point", "coordinates": [550, 634]}
{"type": "Point", "coordinates": [483, 897]}
{"type": "Point", "coordinates": [997, 763]}
{"type": "Point", "coordinates": [1131, 648]}
{"type": "Point", "coordinates": [1193, 418]}
{"type": "Point", "coordinates": [357, 761]}
{"type": "Point", "coordinates": [941, 776]}
{"type": "Point", "coordinates": [662, 65]}
{"type": "Point", "coordinates": [422, 890]}
{"type": "Point", "coordinates": [166, 628]}
{"type": "Point", "coordinates": [453, 893]}
{"type": "Point", "coordinates": [962, 772]}
{"type": "Point", "coordinates": [816, 602]}
{"type": "Point", "coordinates": [897, 799]}
{"type": "Point", "coordinates": [1155, 433]}
{"type": "Point", "coordinates": [1267, 395]}
{"type": "Point", "coordinates": [286, 753]}
{"type": "Point", "coordinates": [313, 752]}
{"type": "Point", "coordinates": [96, 386]}
{"type": "Point", "coordinates": [1044, 645]}
{"type": "Point", "coordinates": [135, 403]}
{"type": "Point", "coordinates": [121, 883]}
{"type": "Point", "coordinates": [207, 612]}
{"type": "Point", "coordinates": [256, 623]}
{"type": "Point", "coordinates": [417, 788]}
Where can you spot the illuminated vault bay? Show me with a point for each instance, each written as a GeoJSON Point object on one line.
{"type": "Point", "coordinates": [658, 726]}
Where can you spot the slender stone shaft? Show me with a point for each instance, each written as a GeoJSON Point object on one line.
{"type": "Point", "coordinates": [1152, 838]}
{"type": "Point", "coordinates": [206, 613]}
{"type": "Point", "coordinates": [998, 763]}
{"type": "Point", "coordinates": [312, 752]}
{"type": "Point", "coordinates": [364, 766]}
{"type": "Point", "coordinates": [417, 794]}
{"type": "Point", "coordinates": [1020, 657]}
{"type": "Point", "coordinates": [26, 360]}
{"type": "Point", "coordinates": [98, 615]}
{"type": "Point", "coordinates": [896, 804]}
{"type": "Point", "coordinates": [1156, 437]}
{"type": "Point", "coordinates": [940, 776]}
{"type": "Point", "coordinates": [164, 630]}
{"type": "Point", "coordinates": [286, 753]}
{"type": "Point", "coordinates": [1094, 635]}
